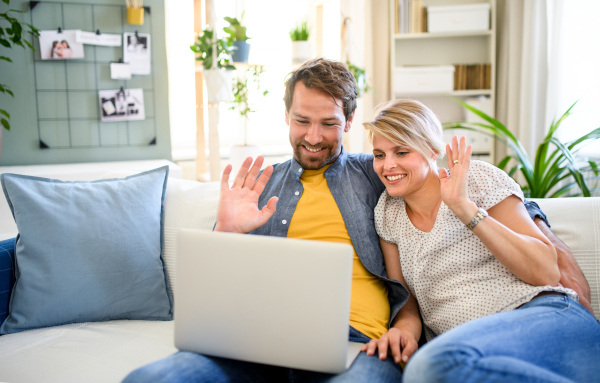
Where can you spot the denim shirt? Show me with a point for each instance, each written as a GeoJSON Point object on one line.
{"type": "Point", "coordinates": [356, 189]}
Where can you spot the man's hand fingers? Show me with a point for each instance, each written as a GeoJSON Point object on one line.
{"type": "Point", "coordinates": [241, 175]}
{"type": "Point", "coordinates": [254, 170]}
{"type": "Point", "coordinates": [409, 349]}
{"type": "Point", "coordinates": [268, 210]}
{"type": "Point", "coordinates": [225, 179]}
{"type": "Point", "coordinates": [259, 186]}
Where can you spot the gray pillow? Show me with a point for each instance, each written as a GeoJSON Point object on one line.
{"type": "Point", "coordinates": [87, 251]}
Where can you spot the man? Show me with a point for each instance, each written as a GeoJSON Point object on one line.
{"type": "Point", "coordinates": [325, 194]}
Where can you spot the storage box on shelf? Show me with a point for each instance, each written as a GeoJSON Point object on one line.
{"type": "Point", "coordinates": [453, 18]}
{"type": "Point", "coordinates": [471, 43]}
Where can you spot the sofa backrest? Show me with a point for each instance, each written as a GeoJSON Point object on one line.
{"type": "Point", "coordinates": [576, 221]}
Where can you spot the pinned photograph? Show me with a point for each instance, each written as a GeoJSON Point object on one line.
{"type": "Point", "coordinates": [136, 52]}
{"type": "Point", "coordinates": [120, 71]}
{"type": "Point", "coordinates": [97, 38]}
{"type": "Point", "coordinates": [60, 45]}
{"type": "Point", "coordinates": [122, 105]}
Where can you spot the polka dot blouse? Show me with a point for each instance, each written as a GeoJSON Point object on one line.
{"type": "Point", "coordinates": [451, 273]}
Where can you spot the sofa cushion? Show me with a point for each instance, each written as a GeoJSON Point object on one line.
{"type": "Point", "coordinates": [87, 251]}
{"type": "Point", "coordinates": [576, 221]}
{"type": "Point", "coordinates": [189, 205]}
{"type": "Point", "coordinates": [7, 275]}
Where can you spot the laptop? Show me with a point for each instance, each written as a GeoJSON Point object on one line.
{"type": "Point", "coordinates": [277, 301]}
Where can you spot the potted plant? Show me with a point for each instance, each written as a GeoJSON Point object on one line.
{"type": "Point", "coordinates": [300, 45]}
{"type": "Point", "coordinates": [247, 90]}
{"type": "Point", "coordinates": [214, 54]}
{"type": "Point", "coordinates": [360, 75]}
{"type": "Point", "coordinates": [9, 37]}
{"type": "Point", "coordinates": [555, 169]}
{"type": "Point", "coordinates": [238, 39]}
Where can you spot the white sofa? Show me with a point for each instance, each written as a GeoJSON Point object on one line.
{"type": "Point", "coordinates": [108, 351]}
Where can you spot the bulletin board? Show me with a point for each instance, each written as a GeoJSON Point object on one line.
{"type": "Point", "coordinates": [64, 93]}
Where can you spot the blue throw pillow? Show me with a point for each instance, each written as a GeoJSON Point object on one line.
{"type": "Point", "coordinates": [87, 251]}
{"type": "Point", "coordinates": [7, 276]}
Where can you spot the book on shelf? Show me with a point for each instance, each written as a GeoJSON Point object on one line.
{"type": "Point", "coordinates": [472, 76]}
{"type": "Point", "coordinates": [411, 16]}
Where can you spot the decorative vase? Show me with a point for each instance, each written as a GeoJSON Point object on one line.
{"type": "Point", "coordinates": [135, 16]}
{"type": "Point", "coordinates": [218, 85]}
{"type": "Point", "coordinates": [300, 51]}
{"type": "Point", "coordinates": [240, 55]}
{"type": "Point", "coordinates": [239, 153]}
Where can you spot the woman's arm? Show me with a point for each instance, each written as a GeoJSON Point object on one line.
{"type": "Point", "coordinates": [508, 232]}
{"type": "Point", "coordinates": [403, 336]}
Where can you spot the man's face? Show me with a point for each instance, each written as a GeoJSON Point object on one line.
{"type": "Point", "coordinates": [316, 126]}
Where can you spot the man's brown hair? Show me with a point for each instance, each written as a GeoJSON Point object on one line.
{"type": "Point", "coordinates": [326, 76]}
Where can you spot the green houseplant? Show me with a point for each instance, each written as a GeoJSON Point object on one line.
{"type": "Point", "coordinates": [204, 50]}
{"type": "Point", "coordinates": [300, 45]}
{"type": "Point", "coordinates": [242, 92]}
{"type": "Point", "coordinates": [238, 39]}
{"type": "Point", "coordinates": [554, 171]}
{"type": "Point", "coordinates": [10, 36]}
{"type": "Point", "coordinates": [360, 75]}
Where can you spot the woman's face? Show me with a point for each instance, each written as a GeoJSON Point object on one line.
{"type": "Point", "coordinates": [402, 170]}
{"type": "Point", "coordinates": [64, 44]}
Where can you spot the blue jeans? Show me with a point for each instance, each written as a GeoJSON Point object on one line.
{"type": "Point", "coordinates": [549, 339]}
{"type": "Point", "coordinates": [189, 367]}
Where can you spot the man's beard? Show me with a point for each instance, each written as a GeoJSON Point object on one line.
{"type": "Point", "coordinates": [313, 163]}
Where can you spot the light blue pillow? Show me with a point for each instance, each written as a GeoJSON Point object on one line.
{"type": "Point", "coordinates": [87, 251]}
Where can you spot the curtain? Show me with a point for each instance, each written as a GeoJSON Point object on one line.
{"type": "Point", "coordinates": [528, 69]}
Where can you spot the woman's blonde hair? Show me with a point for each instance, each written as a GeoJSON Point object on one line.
{"type": "Point", "coordinates": [412, 124]}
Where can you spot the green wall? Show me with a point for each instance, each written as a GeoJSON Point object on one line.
{"type": "Point", "coordinates": [63, 112]}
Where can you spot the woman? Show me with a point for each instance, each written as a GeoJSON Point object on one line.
{"type": "Point", "coordinates": [485, 277]}
{"type": "Point", "coordinates": [56, 50]}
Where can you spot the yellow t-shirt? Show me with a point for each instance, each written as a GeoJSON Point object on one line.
{"type": "Point", "coordinates": [318, 217]}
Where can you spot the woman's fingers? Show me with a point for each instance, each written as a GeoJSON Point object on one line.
{"type": "Point", "coordinates": [383, 346]}
{"type": "Point", "coordinates": [371, 347]}
{"type": "Point", "coordinates": [395, 346]}
{"type": "Point", "coordinates": [409, 349]}
{"type": "Point", "coordinates": [455, 152]}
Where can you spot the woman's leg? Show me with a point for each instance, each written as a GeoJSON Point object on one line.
{"type": "Point", "coordinates": [550, 339]}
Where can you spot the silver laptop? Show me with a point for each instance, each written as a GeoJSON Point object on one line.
{"type": "Point", "coordinates": [277, 301]}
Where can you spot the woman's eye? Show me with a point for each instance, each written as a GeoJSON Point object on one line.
{"type": "Point", "coordinates": [402, 153]}
{"type": "Point", "coordinates": [379, 156]}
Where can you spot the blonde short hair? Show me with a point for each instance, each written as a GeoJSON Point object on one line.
{"type": "Point", "coordinates": [409, 123]}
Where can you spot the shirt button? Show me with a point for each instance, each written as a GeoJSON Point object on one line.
{"type": "Point", "coordinates": [284, 221]}
{"type": "Point", "coordinates": [300, 170]}
{"type": "Point", "coordinates": [296, 193]}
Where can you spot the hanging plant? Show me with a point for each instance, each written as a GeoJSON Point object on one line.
{"type": "Point", "coordinates": [9, 37]}
{"type": "Point", "coordinates": [360, 75]}
{"type": "Point", "coordinates": [204, 49]}
{"type": "Point", "coordinates": [243, 94]}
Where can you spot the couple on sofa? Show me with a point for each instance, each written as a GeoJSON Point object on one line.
{"type": "Point", "coordinates": [452, 254]}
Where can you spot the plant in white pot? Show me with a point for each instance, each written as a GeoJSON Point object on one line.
{"type": "Point", "coordinates": [238, 39]}
{"type": "Point", "coordinates": [214, 54]}
{"type": "Point", "coordinates": [300, 45]}
{"type": "Point", "coordinates": [247, 91]}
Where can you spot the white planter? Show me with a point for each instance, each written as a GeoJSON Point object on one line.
{"type": "Point", "coordinates": [218, 85]}
{"type": "Point", "coordinates": [238, 154]}
{"type": "Point", "coordinates": [300, 51]}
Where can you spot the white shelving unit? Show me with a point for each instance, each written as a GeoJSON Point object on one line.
{"type": "Point", "coordinates": [448, 48]}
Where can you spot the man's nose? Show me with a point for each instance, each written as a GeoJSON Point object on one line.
{"type": "Point", "coordinates": [313, 136]}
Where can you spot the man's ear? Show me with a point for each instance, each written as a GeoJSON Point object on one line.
{"type": "Point", "coordinates": [349, 122]}
{"type": "Point", "coordinates": [287, 118]}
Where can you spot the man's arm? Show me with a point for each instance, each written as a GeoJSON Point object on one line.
{"type": "Point", "coordinates": [571, 275]}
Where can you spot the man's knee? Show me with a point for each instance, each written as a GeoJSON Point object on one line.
{"type": "Point", "coordinates": [179, 367]}
{"type": "Point", "coordinates": [434, 364]}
